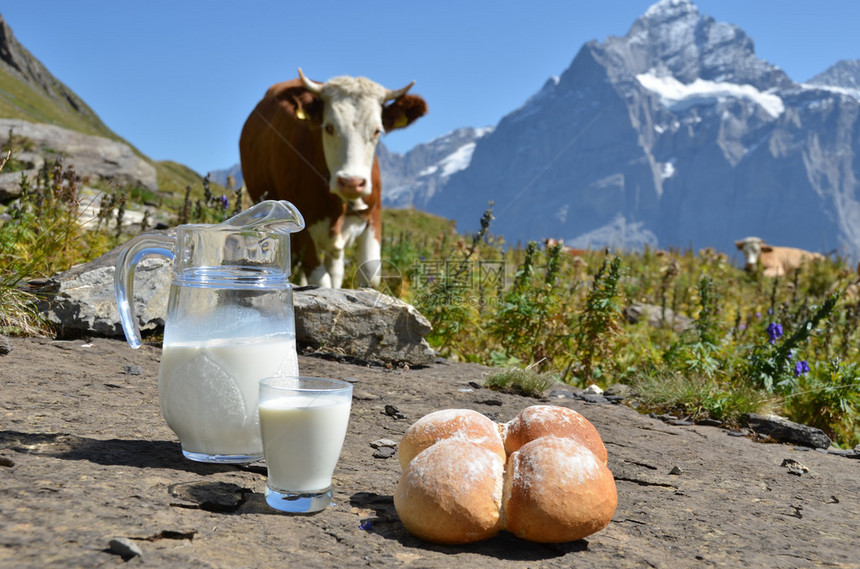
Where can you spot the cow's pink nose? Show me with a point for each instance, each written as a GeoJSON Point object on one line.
{"type": "Point", "coordinates": [351, 184]}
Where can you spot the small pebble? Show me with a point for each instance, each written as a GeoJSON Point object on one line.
{"type": "Point", "coordinates": [794, 467]}
{"type": "Point", "coordinates": [676, 471]}
{"type": "Point", "coordinates": [364, 396]}
{"type": "Point", "coordinates": [124, 547]}
{"type": "Point", "coordinates": [597, 399]}
{"type": "Point", "coordinates": [393, 411]}
{"type": "Point", "coordinates": [133, 370]}
{"type": "Point", "coordinates": [709, 422]}
{"type": "Point", "coordinates": [384, 452]}
{"type": "Point", "coordinates": [383, 443]}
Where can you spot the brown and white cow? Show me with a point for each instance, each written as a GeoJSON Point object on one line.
{"type": "Point", "coordinates": [549, 242]}
{"type": "Point", "coordinates": [775, 261]}
{"type": "Point", "coordinates": [314, 144]}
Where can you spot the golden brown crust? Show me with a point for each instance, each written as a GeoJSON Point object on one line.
{"type": "Point", "coordinates": [451, 493]}
{"type": "Point", "coordinates": [557, 490]}
{"type": "Point", "coordinates": [459, 485]}
{"type": "Point", "coordinates": [550, 420]}
{"type": "Point", "coordinates": [463, 424]}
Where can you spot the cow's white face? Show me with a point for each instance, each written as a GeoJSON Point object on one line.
{"type": "Point", "coordinates": [352, 127]}
{"type": "Point", "coordinates": [751, 247]}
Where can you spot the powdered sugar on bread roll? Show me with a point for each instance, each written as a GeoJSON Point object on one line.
{"type": "Point", "coordinates": [549, 420]}
{"type": "Point", "coordinates": [462, 424]}
{"type": "Point", "coordinates": [557, 490]}
{"type": "Point", "coordinates": [451, 493]}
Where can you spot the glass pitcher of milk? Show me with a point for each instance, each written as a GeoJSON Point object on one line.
{"type": "Point", "coordinates": [229, 323]}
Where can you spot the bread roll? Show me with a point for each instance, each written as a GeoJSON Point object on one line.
{"type": "Point", "coordinates": [557, 490]}
{"type": "Point", "coordinates": [549, 420]}
{"type": "Point", "coordinates": [451, 493]}
{"type": "Point", "coordinates": [463, 424]}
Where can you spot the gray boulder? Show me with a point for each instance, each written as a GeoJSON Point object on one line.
{"type": "Point", "coordinates": [364, 323]}
{"type": "Point", "coordinates": [92, 156]}
{"type": "Point", "coordinates": [785, 431]}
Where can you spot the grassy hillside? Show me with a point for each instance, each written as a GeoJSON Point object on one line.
{"type": "Point", "coordinates": [19, 100]}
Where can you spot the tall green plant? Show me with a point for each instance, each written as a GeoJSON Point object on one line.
{"type": "Point", "coordinates": [701, 354]}
{"type": "Point", "coordinates": [600, 321]}
{"type": "Point", "coordinates": [447, 302]}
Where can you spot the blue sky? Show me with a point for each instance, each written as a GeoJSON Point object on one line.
{"type": "Point", "coordinates": [178, 78]}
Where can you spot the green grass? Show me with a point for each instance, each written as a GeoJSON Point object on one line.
{"type": "Point", "coordinates": [527, 382]}
{"type": "Point", "coordinates": [564, 316]}
{"type": "Point", "coordinates": [20, 100]}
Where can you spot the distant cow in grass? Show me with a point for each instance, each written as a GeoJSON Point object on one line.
{"type": "Point", "coordinates": [775, 261]}
{"type": "Point", "coordinates": [314, 144]}
{"type": "Point", "coordinates": [549, 242]}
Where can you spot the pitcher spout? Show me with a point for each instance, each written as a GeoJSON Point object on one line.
{"type": "Point", "coordinates": [279, 216]}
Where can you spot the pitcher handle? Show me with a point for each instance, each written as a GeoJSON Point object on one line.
{"type": "Point", "coordinates": [136, 249]}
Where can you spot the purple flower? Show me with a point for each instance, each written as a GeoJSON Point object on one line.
{"type": "Point", "coordinates": [801, 368]}
{"type": "Point", "coordinates": [366, 525]}
{"type": "Point", "coordinates": [774, 331]}
{"type": "Point", "coordinates": [758, 314]}
{"type": "Point", "coordinates": [225, 203]}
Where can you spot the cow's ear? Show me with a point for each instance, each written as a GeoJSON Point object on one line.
{"type": "Point", "coordinates": [739, 244]}
{"type": "Point", "coordinates": [766, 248]}
{"type": "Point", "coordinates": [305, 105]}
{"type": "Point", "coordinates": [403, 112]}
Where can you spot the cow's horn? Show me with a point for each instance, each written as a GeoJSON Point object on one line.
{"type": "Point", "coordinates": [312, 86]}
{"type": "Point", "coordinates": [391, 95]}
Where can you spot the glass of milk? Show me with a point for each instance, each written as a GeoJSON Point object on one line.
{"type": "Point", "coordinates": [303, 423]}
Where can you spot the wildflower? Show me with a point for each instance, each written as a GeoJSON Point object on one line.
{"type": "Point", "coordinates": [801, 368]}
{"type": "Point", "coordinates": [758, 314]}
{"type": "Point", "coordinates": [225, 203]}
{"type": "Point", "coordinates": [366, 525]}
{"type": "Point", "coordinates": [774, 331]}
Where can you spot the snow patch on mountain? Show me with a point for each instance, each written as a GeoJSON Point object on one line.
{"type": "Point", "coordinates": [679, 96]}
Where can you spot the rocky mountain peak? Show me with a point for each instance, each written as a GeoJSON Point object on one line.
{"type": "Point", "coordinates": [15, 59]}
{"type": "Point", "coordinates": [675, 134]}
{"type": "Point", "coordinates": [845, 74]}
{"type": "Point", "coordinates": [674, 38]}
{"type": "Point", "coordinates": [670, 11]}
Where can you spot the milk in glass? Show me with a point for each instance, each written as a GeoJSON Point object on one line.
{"type": "Point", "coordinates": [303, 436]}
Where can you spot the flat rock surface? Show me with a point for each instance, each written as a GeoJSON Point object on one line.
{"type": "Point", "coordinates": [88, 469]}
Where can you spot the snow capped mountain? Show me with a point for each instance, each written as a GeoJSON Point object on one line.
{"type": "Point", "coordinates": [845, 74]}
{"type": "Point", "coordinates": [842, 78]}
{"type": "Point", "coordinates": [411, 179]}
{"type": "Point", "coordinates": [675, 134]}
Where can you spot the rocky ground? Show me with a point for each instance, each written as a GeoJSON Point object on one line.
{"type": "Point", "coordinates": [90, 476]}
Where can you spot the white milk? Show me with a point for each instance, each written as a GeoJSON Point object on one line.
{"type": "Point", "coordinates": [303, 438]}
{"type": "Point", "coordinates": [208, 391]}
